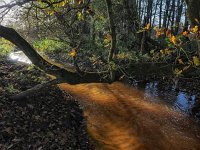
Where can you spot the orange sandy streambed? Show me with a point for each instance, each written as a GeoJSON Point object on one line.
{"type": "Point", "coordinates": [118, 118]}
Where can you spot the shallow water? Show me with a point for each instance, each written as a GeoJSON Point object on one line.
{"type": "Point", "coordinates": [120, 117]}
{"type": "Point", "coordinates": [19, 56]}
{"type": "Point", "coordinates": [178, 100]}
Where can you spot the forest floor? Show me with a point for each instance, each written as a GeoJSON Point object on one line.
{"type": "Point", "coordinates": [48, 120]}
{"type": "Point", "coordinates": [52, 119]}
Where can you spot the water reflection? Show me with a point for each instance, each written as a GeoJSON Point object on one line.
{"type": "Point", "coordinates": [181, 101]}
{"type": "Point", "coordinates": [185, 102]}
{"type": "Point", "coordinates": [19, 56]}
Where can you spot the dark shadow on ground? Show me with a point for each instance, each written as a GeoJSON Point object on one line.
{"type": "Point", "coordinates": [48, 120]}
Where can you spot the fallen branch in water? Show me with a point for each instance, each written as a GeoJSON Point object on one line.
{"type": "Point", "coordinates": [35, 89]}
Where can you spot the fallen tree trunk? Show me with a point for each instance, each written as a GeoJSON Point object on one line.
{"type": "Point", "coordinates": [136, 70]}
{"type": "Point", "coordinates": [34, 90]}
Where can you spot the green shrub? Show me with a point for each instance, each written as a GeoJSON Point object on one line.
{"type": "Point", "coordinates": [49, 45]}
{"type": "Point", "coordinates": [5, 47]}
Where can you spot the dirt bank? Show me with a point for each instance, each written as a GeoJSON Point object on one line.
{"type": "Point", "coordinates": [47, 120]}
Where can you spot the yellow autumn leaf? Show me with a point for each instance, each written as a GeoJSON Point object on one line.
{"type": "Point", "coordinates": [196, 61]}
{"type": "Point", "coordinates": [159, 32]}
{"type": "Point", "coordinates": [147, 27]}
{"type": "Point", "coordinates": [195, 29]}
{"type": "Point", "coordinates": [180, 61]}
{"type": "Point", "coordinates": [152, 51]}
{"type": "Point", "coordinates": [73, 52]}
{"type": "Point", "coordinates": [62, 4]}
{"type": "Point", "coordinates": [155, 28]}
{"type": "Point", "coordinates": [168, 51]}
{"type": "Point", "coordinates": [50, 12]}
{"type": "Point", "coordinates": [185, 33]}
{"type": "Point", "coordinates": [178, 72]}
{"type": "Point", "coordinates": [162, 52]}
{"type": "Point", "coordinates": [173, 39]}
{"type": "Point", "coordinates": [80, 16]}
{"type": "Point", "coordinates": [80, 1]}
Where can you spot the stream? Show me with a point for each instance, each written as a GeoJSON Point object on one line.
{"type": "Point", "coordinates": [19, 56]}
{"type": "Point", "coordinates": [121, 117]}
{"type": "Point", "coordinates": [178, 100]}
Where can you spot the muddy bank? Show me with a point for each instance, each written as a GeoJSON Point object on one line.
{"type": "Point", "coordinates": [47, 120]}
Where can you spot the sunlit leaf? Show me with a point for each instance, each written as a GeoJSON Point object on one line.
{"type": "Point", "coordinates": [178, 72]}
{"type": "Point", "coordinates": [147, 27]}
{"type": "Point", "coordinates": [80, 2]}
{"type": "Point", "coordinates": [173, 39]}
{"type": "Point", "coordinates": [186, 33]}
{"type": "Point", "coordinates": [196, 61]}
{"type": "Point", "coordinates": [162, 52]}
{"type": "Point", "coordinates": [73, 52]}
{"type": "Point", "coordinates": [140, 31]}
{"type": "Point", "coordinates": [152, 51]}
{"type": "Point", "coordinates": [62, 4]}
{"type": "Point", "coordinates": [195, 29]}
{"type": "Point", "coordinates": [180, 61]}
{"type": "Point", "coordinates": [80, 16]}
{"type": "Point", "coordinates": [159, 32]}
{"type": "Point", "coordinates": [50, 12]}
{"type": "Point", "coordinates": [155, 28]}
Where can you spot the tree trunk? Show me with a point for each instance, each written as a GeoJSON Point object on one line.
{"type": "Point", "coordinates": [143, 40]}
{"type": "Point", "coordinates": [160, 14]}
{"type": "Point", "coordinates": [131, 16]}
{"type": "Point", "coordinates": [140, 10]}
{"type": "Point", "coordinates": [112, 29]}
{"type": "Point", "coordinates": [155, 13]}
{"type": "Point", "coordinates": [198, 42]}
{"type": "Point", "coordinates": [113, 40]}
{"type": "Point", "coordinates": [166, 14]}
{"type": "Point", "coordinates": [149, 11]}
{"type": "Point", "coordinates": [193, 11]}
{"type": "Point", "coordinates": [173, 15]}
{"type": "Point", "coordinates": [69, 75]}
{"type": "Point", "coordinates": [178, 16]}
